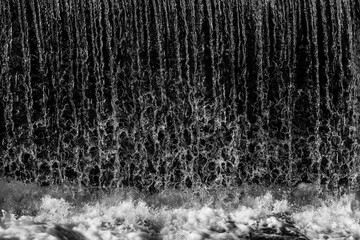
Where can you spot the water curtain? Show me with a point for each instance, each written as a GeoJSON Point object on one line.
{"type": "Point", "coordinates": [165, 93]}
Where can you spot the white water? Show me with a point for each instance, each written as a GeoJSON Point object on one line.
{"type": "Point", "coordinates": [133, 219]}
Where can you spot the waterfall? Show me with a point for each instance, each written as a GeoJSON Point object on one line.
{"type": "Point", "coordinates": [165, 93]}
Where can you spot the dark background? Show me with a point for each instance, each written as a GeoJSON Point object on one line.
{"type": "Point", "coordinates": [179, 93]}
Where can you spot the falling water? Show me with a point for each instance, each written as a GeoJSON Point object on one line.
{"type": "Point", "coordinates": [165, 93]}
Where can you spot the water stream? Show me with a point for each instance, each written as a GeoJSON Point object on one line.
{"type": "Point", "coordinates": [180, 92]}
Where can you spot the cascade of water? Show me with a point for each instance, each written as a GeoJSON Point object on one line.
{"type": "Point", "coordinates": [162, 92]}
